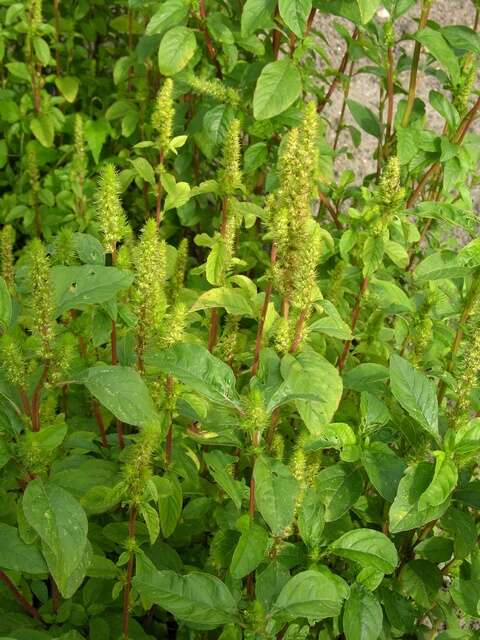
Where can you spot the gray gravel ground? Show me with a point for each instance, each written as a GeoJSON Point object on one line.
{"type": "Point", "coordinates": [364, 87]}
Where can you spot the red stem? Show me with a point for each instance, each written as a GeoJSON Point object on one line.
{"type": "Point", "coordinates": [36, 398]}
{"type": "Point", "coordinates": [132, 522]}
{"type": "Point", "coordinates": [20, 598]}
{"type": "Point", "coordinates": [212, 53]}
{"type": "Point", "coordinates": [355, 313]}
{"type": "Point", "coordinates": [100, 422]}
{"type": "Point", "coordinates": [341, 69]}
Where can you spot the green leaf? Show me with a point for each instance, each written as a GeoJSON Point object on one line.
{"type": "Point", "coordinates": [96, 132]}
{"type": "Point", "coordinates": [170, 502]}
{"type": "Point", "coordinates": [368, 547]}
{"type": "Point", "coordinates": [311, 594]}
{"type": "Point", "coordinates": [276, 491]}
{"type": "Point", "coordinates": [362, 615]}
{"type": "Point", "coordinates": [170, 14]}
{"type": "Point", "coordinates": [68, 87]}
{"type": "Point", "coordinates": [436, 44]}
{"type": "Point", "coordinates": [5, 305]}
{"type": "Point", "coordinates": [444, 264]}
{"type": "Point", "coordinates": [421, 580]}
{"type": "Point", "coordinates": [405, 512]}
{"type": "Point", "coordinates": [234, 301]}
{"type": "Point", "coordinates": [42, 128]}
{"type": "Point", "coordinates": [144, 170]}
{"type": "Point", "coordinates": [311, 518]}
{"type": "Point", "coordinates": [333, 324]}
{"type": "Point", "coordinates": [256, 14]}
{"type": "Point", "coordinates": [295, 14]}
{"type": "Point", "coordinates": [151, 519]}
{"type": "Point", "coordinates": [216, 261]}
{"type": "Point", "coordinates": [462, 37]}
{"type": "Point", "coordinates": [367, 9]}
{"type": "Point", "coordinates": [461, 526]}
{"type": "Point", "coordinates": [365, 118]}
{"type": "Point", "coordinates": [368, 376]}
{"type": "Point", "coordinates": [88, 249]}
{"type": "Point", "coordinates": [340, 486]}
{"type": "Point", "coordinates": [384, 469]}
{"type": "Point", "coordinates": [195, 366]}
{"type": "Point", "coordinates": [218, 464]}
{"type": "Point", "coordinates": [123, 392]}
{"type": "Point", "coordinates": [250, 549]}
{"type": "Point", "coordinates": [399, 610]}
{"type": "Point", "coordinates": [176, 50]}
{"type": "Point", "coordinates": [75, 287]}
{"type": "Point", "coordinates": [391, 296]}
{"type": "Point", "coordinates": [314, 384]}
{"type": "Point", "coordinates": [178, 193]}
{"type": "Point", "coordinates": [62, 526]}
{"type": "Point", "coordinates": [443, 482]}
{"type": "Point", "coordinates": [278, 86]}
{"type": "Point", "coordinates": [197, 598]}
{"type": "Point", "coordinates": [416, 393]}
{"type": "Point", "coordinates": [15, 555]}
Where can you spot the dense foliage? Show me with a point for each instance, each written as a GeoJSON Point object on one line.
{"type": "Point", "coordinates": [238, 385]}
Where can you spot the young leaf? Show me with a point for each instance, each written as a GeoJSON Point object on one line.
{"type": "Point", "coordinates": [364, 117]}
{"type": "Point", "coordinates": [340, 486]}
{"type": "Point", "coordinates": [15, 555]}
{"type": "Point", "coordinates": [295, 14]}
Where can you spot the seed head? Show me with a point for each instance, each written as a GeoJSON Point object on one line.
{"type": "Point", "coordinates": [111, 216]}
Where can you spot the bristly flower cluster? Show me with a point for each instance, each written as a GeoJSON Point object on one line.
{"type": "Point", "coordinates": [110, 214]}
{"type": "Point", "coordinates": [163, 114]}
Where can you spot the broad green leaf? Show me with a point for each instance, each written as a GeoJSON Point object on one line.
{"type": "Point", "coordinates": [276, 491]}
{"type": "Point", "coordinates": [399, 610]}
{"type": "Point", "coordinates": [340, 486]}
{"type": "Point", "coordinates": [152, 521]}
{"type": "Point", "coordinates": [384, 469]}
{"type": "Point", "coordinates": [436, 44]}
{"type": "Point", "coordinates": [250, 549]}
{"type": "Point", "coordinates": [195, 366]}
{"type": "Point", "coordinates": [391, 296]}
{"type": "Point", "coordinates": [368, 376]}
{"type": "Point", "coordinates": [219, 464]}
{"type": "Point", "coordinates": [68, 87]}
{"type": "Point", "coordinates": [362, 615]}
{"type": "Point", "coordinates": [314, 384]}
{"type": "Point", "coordinates": [5, 305]}
{"type": "Point", "coordinates": [176, 50]}
{"type": "Point", "coordinates": [216, 261]}
{"type": "Point", "coordinates": [197, 598]}
{"type": "Point", "coordinates": [170, 502]}
{"type": "Point", "coordinates": [88, 249]}
{"type": "Point", "coordinates": [416, 393]}
{"type": "Point", "coordinates": [75, 287]}
{"type": "Point", "coordinates": [443, 482]}
{"type": "Point", "coordinates": [461, 37]}
{"type": "Point", "coordinates": [311, 518]}
{"type": "Point", "coordinates": [178, 193]}
{"type": "Point", "coordinates": [123, 392]}
{"type": "Point", "coordinates": [234, 301]}
{"type": "Point", "coordinates": [170, 14]}
{"type": "Point", "coordinates": [372, 254]}
{"type": "Point", "coordinates": [43, 129]}
{"type": "Point", "coordinates": [295, 14]}
{"type": "Point", "coordinates": [405, 512]}
{"type": "Point", "coordinates": [444, 264]}
{"type": "Point", "coordinates": [311, 594]}
{"type": "Point", "coordinates": [256, 14]}
{"type": "Point", "coordinates": [367, 9]}
{"type": "Point", "coordinates": [461, 526]}
{"type": "Point", "coordinates": [365, 118]}
{"type": "Point", "coordinates": [270, 581]}
{"type": "Point", "coordinates": [421, 581]}
{"type": "Point", "coordinates": [368, 547]}
{"type": "Point", "coordinates": [62, 526]}
{"type": "Point", "coordinates": [144, 170]}
{"type": "Point", "coordinates": [344, 8]}
{"type": "Point", "coordinates": [96, 132]}
{"type": "Point", "coordinates": [15, 555]}
{"type": "Point", "coordinates": [278, 86]}
{"type": "Point", "coordinates": [332, 324]}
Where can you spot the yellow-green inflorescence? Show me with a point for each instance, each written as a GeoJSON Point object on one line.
{"type": "Point", "coordinates": [462, 91]}
{"type": "Point", "coordinates": [35, 14]}
{"type": "Point", "coordinates": [138, 468]}
{"type": "Point", "coordinates": [468, 377]}
{"type": "Point", "coordinates": [14, 365]}
{"type": "Point", "coordinates": [42, 318]}
{"type": "Point", "coordinates": [110, 214]}
{"type": "Point", "coordinates": [213, 88]}
{"type": "Point", "coordinates": [180, 269]}
{"type": "Point", "coordinates": [7, 238]}
{"type": "Point", "coordinates": [163, 114]}
{"type": "Point", "coordinates": [149, 291]}
{"type": "Point", "coordinates": [391, 194]}
{"type": "Point", "coordinates": [33, 173]}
